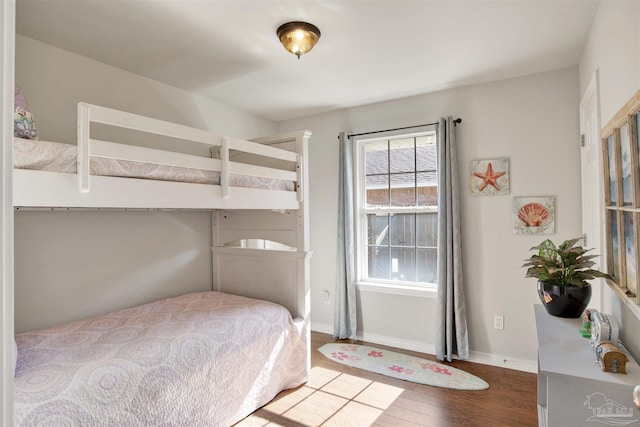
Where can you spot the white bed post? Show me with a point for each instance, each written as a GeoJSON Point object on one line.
{"type": "Point", "coordinates": [301, 170]}
{"type": "Point", "coordinates": [302, 236]}
{"type": "Point", "coordinates": [224, 167]}
{"type": "Point", "coordinates": [215, 241]}
{"type": "Point", "coordinates": [302, 147]}
{"type": "Point", "coordinates": [7, 41]}
{"type": "Point", "coordinates": [84, 127]}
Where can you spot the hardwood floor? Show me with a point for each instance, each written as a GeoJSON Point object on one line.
{"type": "Point", "coordinates": [339, 395]}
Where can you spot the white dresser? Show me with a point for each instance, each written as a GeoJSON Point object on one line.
{"type": "Point", "coordinates": [572, 390]}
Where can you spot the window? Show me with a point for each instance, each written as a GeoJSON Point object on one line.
{"type": "Point", "coordinates": [397, 212]}
{"type": "Point", "coordinates": [621, 148]}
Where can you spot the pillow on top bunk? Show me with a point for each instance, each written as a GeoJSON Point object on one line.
{"type": "Point", "coordinates": [23, 123]}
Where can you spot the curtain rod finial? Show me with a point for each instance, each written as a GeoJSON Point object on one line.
{"type": "Point", "coordinates": [457, 121]}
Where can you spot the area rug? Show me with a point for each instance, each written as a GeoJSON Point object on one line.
{"type": "Point", "coordinates": [403, 367]}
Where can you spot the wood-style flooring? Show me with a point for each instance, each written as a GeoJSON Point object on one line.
{"type": "Point", "coordinates": [339, 395]}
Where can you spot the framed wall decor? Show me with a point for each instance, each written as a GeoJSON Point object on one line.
{"type": "Point", "coordinates": [621, 173]}
{"type": "Point", "coordinates": [533, 215]}
{"type": "Point", "coordinates": [489, 177]}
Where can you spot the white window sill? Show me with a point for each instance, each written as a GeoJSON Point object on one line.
{"type": "Point", "coordinates": [396, 289]}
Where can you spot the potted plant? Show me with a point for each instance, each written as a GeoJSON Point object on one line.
{"type": "Point", "coordinates": [563, 272]}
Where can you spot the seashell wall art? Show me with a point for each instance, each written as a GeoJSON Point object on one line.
{"type": "Point", "coordinates": [533, 215]}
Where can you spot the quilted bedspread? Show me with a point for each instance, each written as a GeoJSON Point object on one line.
{"type": "Point", "coordinates": [201, 359]}
{"type": "Point", "coordinates": [58, 157]}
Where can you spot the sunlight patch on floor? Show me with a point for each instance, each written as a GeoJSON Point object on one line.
{"type": "Point", "coordinates": [283, 404]}
{"type": "Point", "coordinates": [347, 386]}
{"type": "Point", "coordinates": [330, 398]}
{"type": "Point", "coordinates": [321, 376]}
{"type": "Point", "coordinates": [354, 414]}
{"type": "Point", "coordinates": [379, 395]}
{"type": "Point", "coordinates": [316, 409]}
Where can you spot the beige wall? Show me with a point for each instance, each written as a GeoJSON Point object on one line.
{"type": "Point", "coordinates": [70, 265]}
{"type": "Point", "coordinates": [613, 49]}
{"type": "Point", "coordinates": [533, 121]}
{"type": "Point", "coordinates": [69, 78]}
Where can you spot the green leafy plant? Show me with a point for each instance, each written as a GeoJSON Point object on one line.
{"type": "Point", "coordinates": [563, 265]}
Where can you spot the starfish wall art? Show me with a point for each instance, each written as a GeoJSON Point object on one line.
{"type": "Point", "coordinates": [490, 177]}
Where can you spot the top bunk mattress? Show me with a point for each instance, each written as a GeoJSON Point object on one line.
{"type": "Point", "coordinates": [58, 157]}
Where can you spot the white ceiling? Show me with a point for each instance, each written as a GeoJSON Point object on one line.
{"type": "Point", "coordinates": [369, 51]}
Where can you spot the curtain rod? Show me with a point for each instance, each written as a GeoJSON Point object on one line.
{"type": "Point", "coordinates": [455, 122]}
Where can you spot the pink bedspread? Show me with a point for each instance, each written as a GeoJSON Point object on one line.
{"type": "Point", "coordinates": [58, 157]}
{"type": "Point", "coordinates": [202, 359]}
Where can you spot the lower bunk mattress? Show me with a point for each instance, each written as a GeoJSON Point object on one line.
{"type": "Point", "coordinates": [58, 157]}
{"type": "Point", "coordinates": [201, 359]}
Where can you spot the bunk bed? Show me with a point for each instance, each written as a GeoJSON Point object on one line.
{"type": "Point", "coordinates": [187, 360]}
{"type": "Point", "coordinates": [92, 183]}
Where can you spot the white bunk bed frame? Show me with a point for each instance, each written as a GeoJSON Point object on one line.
{"type": "Point", "coordinates": [280, 276]}
{"type": "Point", "coordinates": [7, 49]}
{"type": "Point", "coordinates": [83, 190]}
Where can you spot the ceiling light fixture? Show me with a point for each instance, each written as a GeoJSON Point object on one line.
{"type": "Point", "coordinates": [298, 37]}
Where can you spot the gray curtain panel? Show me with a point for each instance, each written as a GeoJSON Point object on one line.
{"type": "Point", "coordinates": [345, 319]}
{"type": "Point", "coordinates": [451, 335]}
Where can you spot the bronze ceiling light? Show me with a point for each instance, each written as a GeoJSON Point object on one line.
{"type": "Point", "coordinates": [298, 37]}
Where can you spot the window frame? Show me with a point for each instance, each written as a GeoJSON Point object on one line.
{"type": "Point", "coordinates": [363, 282]}
{"type": "Point", "coordinates": [617, 262]}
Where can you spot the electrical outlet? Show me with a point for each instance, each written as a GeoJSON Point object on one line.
{"type": "Point", "coordinates": [498, 322]}
{"type": "Point", "coordinates": [326, 296]}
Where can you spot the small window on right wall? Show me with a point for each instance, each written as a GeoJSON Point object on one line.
{"type": "Point", "coordinates": [621, 171]}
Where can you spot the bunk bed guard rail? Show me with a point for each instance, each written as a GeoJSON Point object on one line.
{"type": "Point", "coordinates": [87, 147]}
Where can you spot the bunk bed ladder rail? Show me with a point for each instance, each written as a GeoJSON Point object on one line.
{"type": "Point", "coordinates": [301, 147]}
{"type": "Point", "coordinates": [300, 184]}
{"type": "Point", "coordinates": [263, 150]}
{"type": "Point", "coordinates": [84, 118]}
{"type": "Point", "coordinates": [224, 167]}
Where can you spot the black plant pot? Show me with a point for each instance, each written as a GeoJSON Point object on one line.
{"type": "Point", "coordinates": [564, 301]}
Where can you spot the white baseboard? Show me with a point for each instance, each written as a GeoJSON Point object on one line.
{"type": "Point", "coordinates": [474, 356]}
{"type": "Point", "coordinates": [508, 362]}
{"type": "Point", "coordinates": [322, 328]}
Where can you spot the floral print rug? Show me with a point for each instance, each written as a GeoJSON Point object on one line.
{"type": "Point", "coordinates": [401, 366]}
